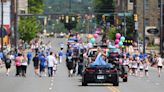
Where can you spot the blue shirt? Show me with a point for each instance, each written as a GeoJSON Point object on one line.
{"type": "Point", "coordinates": [42, 61]}
{"type": "Point", "coordinates": [29, 55]}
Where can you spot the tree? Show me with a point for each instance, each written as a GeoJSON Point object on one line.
{"type": "Point", "coordinates": [28, 26]}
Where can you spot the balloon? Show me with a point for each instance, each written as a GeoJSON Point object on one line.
{"type": "Point", "coordinates": [95, 36]}
{"type": "Point", "coordinates": [110, 46]}
{"type": "Point", "coordinates": [89, 36]}
{"type": "Point", "coordinates": [117, 46]}
{"type": "Point", "coordinates": [92, 40]}
{"type": "Point", "coordinates": [117, 41]}
{"type": "Point", "coordinates": [122, 38]}
{"type": "Point", "coordinates": [120, 43]}
{"type": "Point", "coordinates": [97, 32]}
{"type": "Point", "coordinates": [118, 35]}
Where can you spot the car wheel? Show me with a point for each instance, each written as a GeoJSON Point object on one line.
{"type": "Point", "coordinates": [116, 84]}
{"type": "Point", "coordinates": [125, 79]}
{"type": "Point", "coordinates": [84, 84]}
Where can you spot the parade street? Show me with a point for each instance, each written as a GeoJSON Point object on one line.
{"type": "Point", "coordinates": [62, 83]}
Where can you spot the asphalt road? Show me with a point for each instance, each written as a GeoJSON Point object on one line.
{"type": "Point", "coordinates": [62, 83]}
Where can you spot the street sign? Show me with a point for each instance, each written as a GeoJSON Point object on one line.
{"type": "Point", "coordinates": [41, 17]}
{"type": "Point", "coordinates": [124, 14]}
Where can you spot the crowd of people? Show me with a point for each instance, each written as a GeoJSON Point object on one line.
{"type": "Point", "coordinates": [39, 54]}
{"type": "Point", "coordinates": [46, 61]}
{"type": "Point", "coordinates": [136, 64]}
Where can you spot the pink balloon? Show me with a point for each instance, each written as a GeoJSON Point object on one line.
{"type": "Point", "coordinates": [95, 35]}
{"type": "Point", "coordinates": [117, 41]}
{"type": "Point", "coordinates": [97, 32]}
{"type": "Point", "coordinates": [117, 46]}
{"type": "Point", "coordinates": [118, 35]}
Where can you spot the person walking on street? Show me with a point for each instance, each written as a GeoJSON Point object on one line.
{"type": "Point", "coordinates": [8, 64]}
{"type": "Point", "coordinates": [60, 54]}
{"type": "Point", "coordinates": [18, 61]}
{"type": "Point", "coordinates": [70, 62]}
{"type": "Point", "coordinates": [29, 57]}
{"type": "Point", "coordinates": [51, 61]}
{"type": "Point", "coordinates": [36, 64]}
{"type": "Point", "coordinates": [159, 65]}
{"type": "Point", "coordinates": [24, 64]}
{"type": "Point", "coordinates": [42, 65]}
{"type": "Point", "coordinates": [146, 67]}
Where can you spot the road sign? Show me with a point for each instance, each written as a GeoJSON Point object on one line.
{"type": "Point", "coordinates": [41, 17]}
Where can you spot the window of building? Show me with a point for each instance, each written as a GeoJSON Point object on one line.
{"type": "Point", "coordinates": [131, 1]}
{"type": "Point", "coordinates": [159, 23]}
{"type": "Point", "coordinates": [159, 3]}
{"type": "Point", "coordinates": [146, 4]}
{"type": "Point", "coordinates": [147, 22]}
{"type": "Point", "coordinates": [22, 11]}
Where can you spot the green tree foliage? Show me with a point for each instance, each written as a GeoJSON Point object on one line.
{"type": "Point", "coordinates": [112, 31]}
{"type": "Point", "coordinates": [28, 26]}
{"type": "Point", "coordinates": [35, 6]}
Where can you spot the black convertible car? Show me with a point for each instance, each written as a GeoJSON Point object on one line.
{"type": "Point", "coordinates": [100, 74]}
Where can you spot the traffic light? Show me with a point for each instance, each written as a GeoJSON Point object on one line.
{"type": "Point", "coordinates": [66, 19]}
{"type": "Point", "coordinates": [103, 18]}
{"type": "Point", "coordinates": [135, 17]}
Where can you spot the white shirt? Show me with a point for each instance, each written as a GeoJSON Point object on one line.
{"type": "Point", "coordinates": [51, 61]}
{"type": "Point", "coordinates": [159, 60]}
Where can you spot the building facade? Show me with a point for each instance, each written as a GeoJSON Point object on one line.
{"type": "Point", "coordinates": [22, 6]}
{"type": "Point", "coordinates": [152, 13]}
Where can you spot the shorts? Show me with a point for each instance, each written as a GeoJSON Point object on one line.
{"type": "Point", "coordinates": [159, 67]}
{"type": "Point", "coordinates": [36, 67]}
{"type": "Point", "coordinates": [141, 69]}
{"type": "Point", "coordinates": [8, 66]}
{"type": "Point", "coordinates": [146, 70]}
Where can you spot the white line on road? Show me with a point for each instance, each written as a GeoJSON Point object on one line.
{"type": "Point", "coordinates": [157, 84]}
{"type": "Point", "coordinates": [50, 88]}
{"type": "Point", "coordinates": [52, 84]}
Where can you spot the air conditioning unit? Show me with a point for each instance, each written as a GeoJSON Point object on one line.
{"type": "Point", "coordinates": [151, 31]}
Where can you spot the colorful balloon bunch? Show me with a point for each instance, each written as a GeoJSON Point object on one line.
{"type": "Point", "coordinates": [119, 40]}
{"type": "Point", "coordinates": [92, 37]}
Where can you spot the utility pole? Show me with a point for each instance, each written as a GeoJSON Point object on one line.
{"type": "Point", "coordinates": [2, 25]}
{"type": "Point", "coordinates": [125, 18]}
{"type": "Point", "coordinates": [135, 16]}
{"type": "Point", "coordinates": [144, 49]}
{"type": "Point", "coordinates": [161, 29]}
{"type": "Point", "coordinates": [14, 10]}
